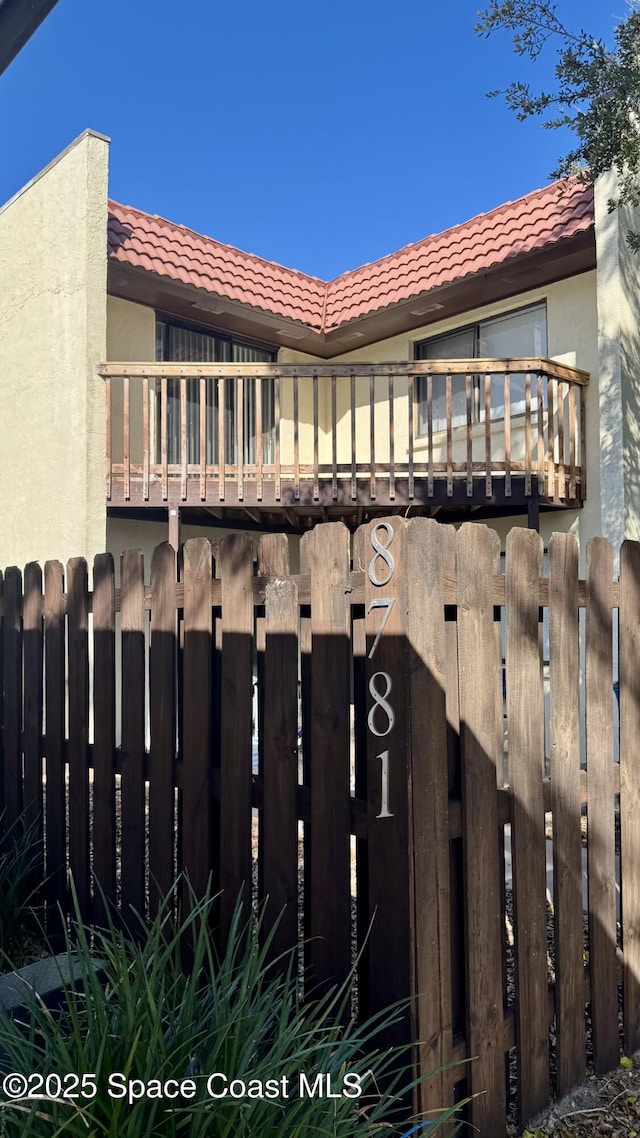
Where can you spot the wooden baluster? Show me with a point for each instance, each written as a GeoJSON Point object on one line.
{"type": "Point", "coordinates": [540, 436]}
{"type": "Point", "coordinates": [296, 442]}
{"type": "Point", "coordinates": [183, 438]}
{"type": "Point", "coordinates": [507, 435]}
{"type": "Point", "coordinates": [392, 468]}
{"type": "Point", "coordinates": [334, 439]}
{"type": "Point", "coordinates": [163, 437]}
{"type": "Point", "coordinates": [449, 404]}
{"type": "Point", "coordinates": [551, 439]}
{"type": "Point", "coordinates": [411, 407]}
{"type": "Point", "coordinates": [203, 438]}
{"type": "Point", "coordinates": [221, 448]}
{"type": "Point", "coordinates": [430, 435]}
{"type": "Point", "coordinates": [107, 386]}
{"type": "Point", "coordinates": [562, 478]}
{"type": "Point", "coordinates": [316, 487]}
{"type": "Point", "coordinates": [258, 383]}
{"type": "Point", "coordinates": [469, 394]}
{"type": "Point", "coordinates": [527, 434]}
{"type": "Point", "coordinates": [487, 436]}
{"type": "Point", "coordinates": [126, 438]}
{"type": "Point", "coordinates": [572, 441]}
{"type": "Point", "coordinates": [372, 433]}
{"type": "Point", "coordinates": [276, 418]}
{"type": "Point", "coordinates": [240, 434]}
{"type": "Point", "coordinates": [354, 480]}
{"type": "Point", "coordinates": [583, 445]}
{"type": "Point", "coordinates": [146, 448]}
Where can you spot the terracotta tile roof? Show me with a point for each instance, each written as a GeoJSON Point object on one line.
{"type": "Point", "coordinates": [150, 242]}
{"type": "Point", "coordinates": [538, 220]}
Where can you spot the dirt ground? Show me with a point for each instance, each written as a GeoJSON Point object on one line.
{"type": "Point", "coordinates": [600, 1106]}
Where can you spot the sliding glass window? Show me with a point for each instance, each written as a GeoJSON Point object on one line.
{"type": "Point", "coordinates": [180, 343]}
{"type": "Point", "coordinates": [522, 333]}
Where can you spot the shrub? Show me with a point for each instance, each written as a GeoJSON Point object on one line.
{"type": "Point", "coordinates": [141, 1013]}
{"type": "Point", "coordinates": [20, 853]}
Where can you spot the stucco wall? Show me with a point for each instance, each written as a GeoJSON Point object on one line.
{"type": "Point", "coordinates": [619, 336]}
{"type": "Point", "coordinates": [52, 338]}
{"type": "Point", "coordinates": [131, 337]}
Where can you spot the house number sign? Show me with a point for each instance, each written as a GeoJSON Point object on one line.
{"type": "Point", "coordinates": [381, 719]}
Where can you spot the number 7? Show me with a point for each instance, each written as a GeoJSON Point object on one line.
{"type": "Point", "coordinates": [381, 603]}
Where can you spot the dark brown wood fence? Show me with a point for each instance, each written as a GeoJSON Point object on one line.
{"type": "Point", "coordinates": [435, 748]}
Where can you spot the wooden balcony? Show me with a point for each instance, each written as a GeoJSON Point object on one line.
{"type": "Point", "coordinates": [340, 440]}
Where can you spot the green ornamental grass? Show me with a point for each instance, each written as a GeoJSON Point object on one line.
{"type": "Point", "coordinates": [144, 1015]}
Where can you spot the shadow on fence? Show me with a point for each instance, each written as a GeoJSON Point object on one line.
{"type": "Point", "coordinates": [379, 797]}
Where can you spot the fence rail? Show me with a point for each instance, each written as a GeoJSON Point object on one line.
{"type": "Point", "coordinates": [388, 772]}
{"type": "Point", "coordinates": [278, 434]}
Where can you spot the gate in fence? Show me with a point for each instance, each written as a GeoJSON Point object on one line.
{"type": "Point", "coordinates": [396, 786]}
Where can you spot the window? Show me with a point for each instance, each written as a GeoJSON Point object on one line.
{"type": "Point", "coordinates": [179, 343]}
{"type": "Point", "coordinates": [520, 333]}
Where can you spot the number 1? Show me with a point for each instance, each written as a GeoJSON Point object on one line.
{"type": "Point", "coordinates": [384, 797]}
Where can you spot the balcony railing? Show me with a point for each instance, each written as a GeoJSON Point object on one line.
{"type": "Point", "coordinates": [363, 433]}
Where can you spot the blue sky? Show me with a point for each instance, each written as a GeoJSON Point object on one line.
{"type": "Point", "coordinates": [321, 135]}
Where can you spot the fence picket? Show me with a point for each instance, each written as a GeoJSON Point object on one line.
{"type": "Point", "coordinates": [12, 726]}
{"type": "Point", "coordinates": [236, 566]}
{"type": "Point", "coordinates": [104, 711]}
{"type": "Point", "coordinates": [630, 786]}
{"type": "Point", "coordinates": [133, 732]}
{"type": "Point", "coordinates": [196, 748]}
{"type": "Point", "coordinates": [428, 550]}
{"type": "Point", "coordinates": [600, 819]}
{"type": "Point", "coordinates": [478, 550]}
{"type": "Point", "coordinates": [280, 770]}
{"type": "Point", "coordinates": [78, 672]}
{"type": "Point", "coordinates": [564, 708]}
{"type": "Point", "coordinates": [162, 719]}
{"type": "Point", "coordinates": [525, 718]}
{"type": "Point", "coordinates": [327, 552]}
{"type": "Point", "coordinates": [54, 672]}
{"type": "Point", "coordinates": [33, 708]}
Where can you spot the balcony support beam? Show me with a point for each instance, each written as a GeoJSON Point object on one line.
{"type": "Point", "coordinates": [533, 510]}
{"type": "Point", "coordinates": [174, 526]}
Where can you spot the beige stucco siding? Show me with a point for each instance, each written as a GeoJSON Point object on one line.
{"type": "Point", "coordinates": [131, 337]}
{"type": "Point", "coordinates": [52, 340]}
